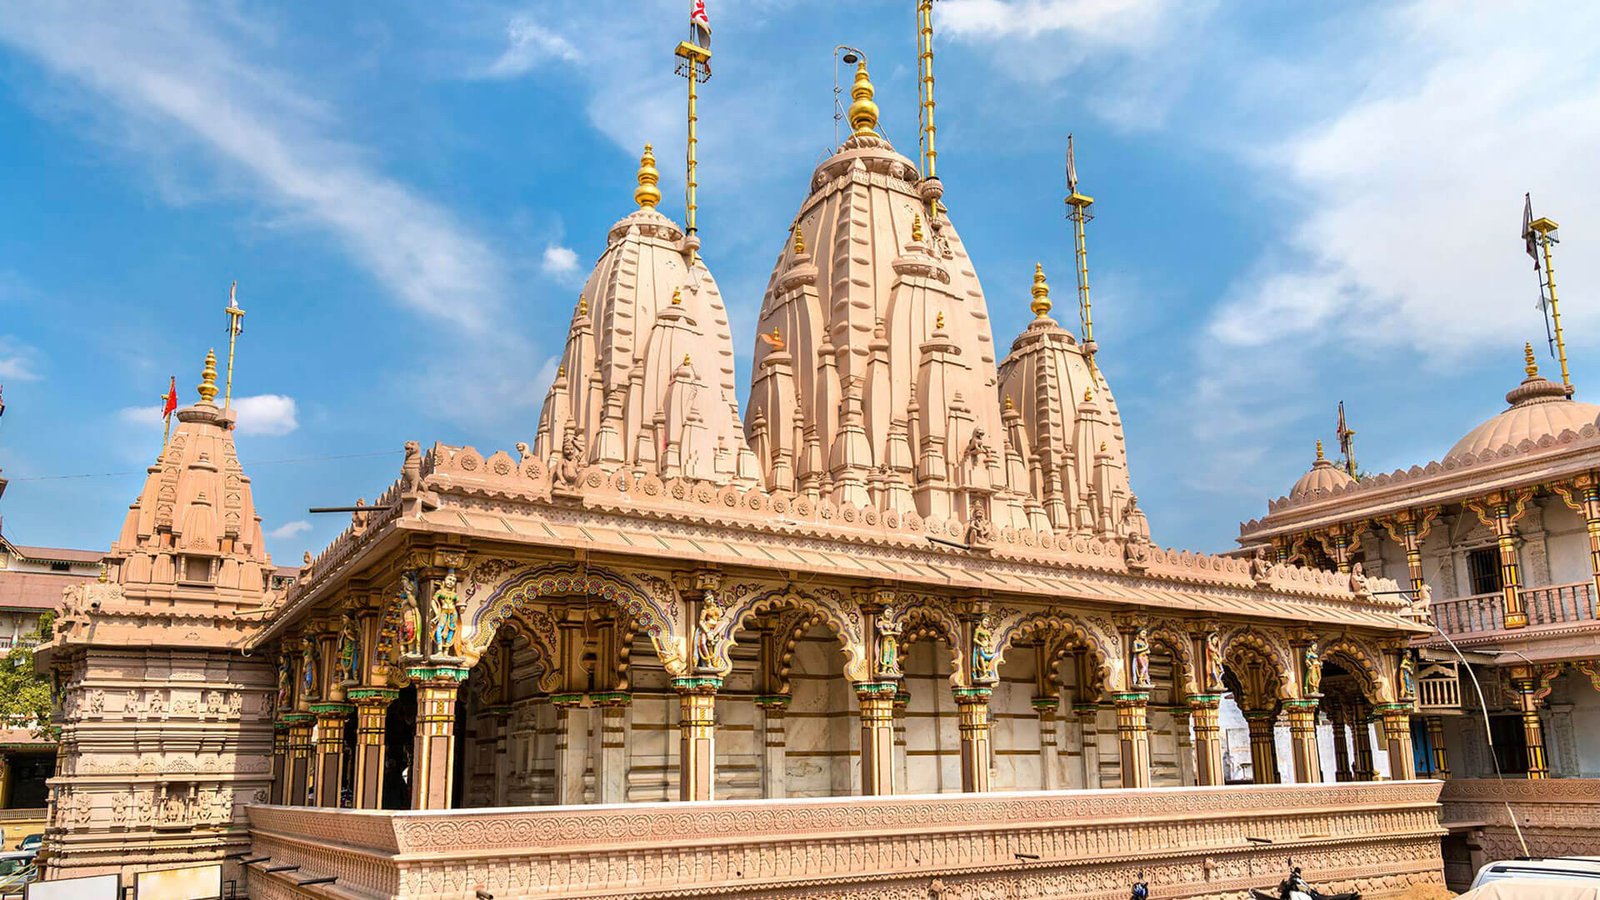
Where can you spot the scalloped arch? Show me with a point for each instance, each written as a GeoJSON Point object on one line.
{"type": "Point", "coordinates": [1245, 642]}
{"type": "Point", "coordinates": [924, 621]}
{"type": "Point", "coordinates": [742, 610]}
{"type": "Point", "coordinates": [1363, 665]}
{"type": "Point", "coordinates": [1044, 624]}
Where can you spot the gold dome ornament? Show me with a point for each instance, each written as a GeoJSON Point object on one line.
{"type": "Point", "coordinates": [916, 228]}
{"type": "Point", "coordinates": [647, 194]}
{"type": "Point", "coordinates": [1041, 292]}
{"type": "Point", "coordinates": [863, 112]}
{"type": "Point", "coordinates": [208, 380]}
{"type": "Point", "coordinates": [1530, 365]}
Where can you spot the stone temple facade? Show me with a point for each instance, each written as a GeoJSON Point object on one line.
{"type": "Point", "coordinates": [895, 630]}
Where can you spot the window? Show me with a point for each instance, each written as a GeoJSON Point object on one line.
{"type": "Point", "coordinates": [60, 567]}
{"type": "Point", "coordinates": [1483, 570]}
{"type": "Point", "coordinates": [196, 569]}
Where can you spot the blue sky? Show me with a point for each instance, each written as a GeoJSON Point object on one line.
{"type": "Point", "coordinates": [1297, 204]}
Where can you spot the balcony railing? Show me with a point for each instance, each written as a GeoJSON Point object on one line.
{"type": "Point", "coordinates": [1550, 605]}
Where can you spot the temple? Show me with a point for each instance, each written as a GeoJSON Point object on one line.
{"type": "Point", "coordinates": [898, 623]}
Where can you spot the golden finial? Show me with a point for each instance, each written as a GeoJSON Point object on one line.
{"type": "Point", "coordinates": [583, 305]}
{"type": "Point", "coordinates": [647, 195]}
{"type": "Point", "coordinates": [916, 228]}
{"type": "Point", "coordinates": [1009, 405]}
{"type": "Point", "coordinates": [799, 240]}
{"type": "Point", "coordinates": [686, 359]}
{"type": "Point", "coordinates": [863, 112]}
{"type": "Point", "coordinates": [1041, 292]}
{"type": "Point", "coordinates": [938, 322]}
{"type": "Point", "coordinates": [561, 371]}
{"type": "Point", "coordinates": [1319, 449]}
{"type": "Point", "coordinates": [1529, 365]}
{"type": "Point", "coordinates": [1102, 446]}
{"type": "Point", "coordinates": [677, 296]}
{"type": "Point", "coordinates": [1088, 393]}
{"type": "Point", "coordinates": [208, 380]}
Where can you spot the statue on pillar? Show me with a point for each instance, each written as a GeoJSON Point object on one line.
{"type": "Point", "coordinates": [1140, 652]}
{"type": "Point", "coordinates": [888, 645]}
{"type": "Point", "coordinates": [308, 670]}
{"type": "Point", "coordinates": [983, 654]}
{"type": "Point", "coordinates": [1313, 669]}
{"type": "Point", "coordinates": [446, 618]}
{"type": "Point", "coordinates": [1214, 682]}
{"type": "Point", "coordinates": [285, 685]}
{"type": "Point", "coordinates": [705, 636]}
{"type": "Point", "coordinates": [349, 652]}
{"type": "Point", "coordinates": [1408, 677]}
{"type": "Point", "coordinates": [410, 616]}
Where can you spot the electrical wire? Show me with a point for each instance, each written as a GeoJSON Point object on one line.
{"type": "Point", "coordinates": [253, 464]}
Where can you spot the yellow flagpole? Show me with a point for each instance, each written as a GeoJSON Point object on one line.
{"type": "Point", "coordinates": [695, 59]}
{"type": "Point", "coordinates": [235, 325]}
{"type": "Point", "coordinates": [1546, 229]}
{"type": "Point", "coordinates": [930, 155]}
{"type": "Point", "coordinates": [1078, 206]}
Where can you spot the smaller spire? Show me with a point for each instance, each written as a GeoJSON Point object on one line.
{"type": "Point", "coordinates": [1041, 292]}
{"type": "Point", "coordinates": [916, 228]}
{"type": "Point", "coordinates": [1320, 457]}
{"type": "Point", "coordinates": [208, 380]}
{"type": "Point", "coordinates": [863, 112]}
{"type": "Point", "coordinates": [1529, 364]}
{"type": "Point", "coordinates": [647, 195]}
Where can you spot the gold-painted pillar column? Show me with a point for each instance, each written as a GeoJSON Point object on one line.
{"type": "Point", "coordinates": [1208, 769]}
{"type": "Point", "coordinates": [1396, 718]}
{"type": "Point", "coordinates": [1133, 738]}
{"type": "Point", "coordinates": [697, 736]}
{"type": "Point", "coordinates": [1361, 732]}
{"type": "Point", "coordinates": [433, 769]}
{"type": "Point", "coordinates": [877, 736]}
{"type": "Point", "coordinates": [972, 705]}
{"type": "Point", "coordinates": [1526, 682]}
{"type": "Point", "coordinates": [372, 710]}
{"type": "Point", "coordinates": [1341, 743]}
{"type": "Point", "coordinates": [280, 761]}
{"type": "Point", "coordinates": [330, 750]}
{"type": "Point", "coordinates": [1263, 751]}
{"type": "Point", "coordinates": [1408, 528]}
{"type": "Point", "coordinates": [1500, 512]}
{"type": "Point", "coordinates": [1302, 715]}
{"type": "Point", "coordinates": [297, 780]}
{"type": "Point", "coordinates": [1441, 758]}
{"type": "Point", "coordinates": [1583, 496]}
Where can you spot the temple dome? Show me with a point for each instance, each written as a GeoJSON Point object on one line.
{"type": "Point", "coordinates": [646, 379]}
{"type": "Point", "coordinates": [874, 370]}
{"type": "Point", "coordinates": [1323, 478]}
{"type": "Point", "coordinates": [1539, 408]}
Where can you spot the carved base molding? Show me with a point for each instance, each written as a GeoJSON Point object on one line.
{"type": "Point", "coordinates": [1188, 842]}
{"type": "Point", "coordinates": [1557, 816]}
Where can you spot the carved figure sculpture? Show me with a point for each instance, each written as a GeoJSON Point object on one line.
{"type": "Point", "coordinates": [410, 615]}
{"type": "Point", "coordinates": [1408, 678]}
{"type": "Point", "coordinates": [982, 654]}
{"type": "Point", "coordinates": [349, 651]}
{"type": "Point", "coordinates": [1136, 551]}
{"type": "Point", "coordinates": [980, 531]}
{"type": "Point", "coordinates": [446, 618]}
{"type": "Point", "coordinates": [1141, 658]}
{"type": "Point", "coordinates": [308, 670]}
{"type": "Point", "coordinates": [1260, 567]}
{"type": "Point", "coordinates": [888, 645]}
{"type": "Point", "coordinates": [571, 458]}
{"type": "Point", "coordinates": [705, 636]}
{"type": "Point", "coordinates": [1213, 661]}
{"type": "Point", "coordinates": [285, 684]}
{"type": "Point", "coordinates": [1313, 667]}
{"type": "Point", "coordinates": [1358, 581]}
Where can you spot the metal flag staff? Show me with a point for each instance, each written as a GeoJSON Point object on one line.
{"type": "Point", "coordinates": [930, 156]}
{"type": "Point", "coordinates": [1538, 235]}
{"type": "Point", "coordinates": [696, 66]}
{"type": "Point", "coordinates": [235, 328]}
{"type": "Point", "coordinates": [1078, 211]}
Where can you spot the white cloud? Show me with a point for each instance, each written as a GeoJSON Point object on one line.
{"type": "Point", "coordinates": [141, 417]}
{"type": "Point", "coordinates": [289, 529]}
{"type": "Point", "coordinates": [1118, 23]}
{"type": "Point", "coordinates": [270, 415]}
{"type": "Point", "coordinates": [177, 68]}
{"type": "Point", "coordinates": [18, 361]}
{"type": "Point", "coordinates": [559, 261]}
{"type": "Point", "coordinates": [529, 44]}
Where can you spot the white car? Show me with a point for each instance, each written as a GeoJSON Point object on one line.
{"type": "Point", "coordinates": [1581, 869]}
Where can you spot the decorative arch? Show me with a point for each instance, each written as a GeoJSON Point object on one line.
{"type": "Point", "coordinates": [519, 592]}
{"type": "Point", "coordinates": [1365, 665]}
{"type": "Point", "coordinates": [1245, 645]}
{"type": "Point", "coordinates": [1103, 648]}
{"type": "Point", "coordinates": [1168, 635]}
{"type": "Point", "coordinates": [845, 623]}
{"type": "Point", "coordinates": [789, 630]}
{"type": "Point", "coordinates": [927, 619]}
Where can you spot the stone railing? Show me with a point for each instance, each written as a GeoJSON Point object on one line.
{"type": "Point", "coordinates": [1379, 838]}
{"type": "Point", "coordinates": [1557, 816]}
{"type": "Point", "coordinates": [1554, 604]}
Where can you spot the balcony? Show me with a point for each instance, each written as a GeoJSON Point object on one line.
{"type": "Point", "coordinates": [1554, 604]}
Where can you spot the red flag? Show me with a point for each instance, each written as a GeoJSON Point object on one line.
{"type": "Point", "coordinates": [171, 406]}
{"type": "Point", "coordinates": [697, 13]}
{"type": "Point", "coordinates": [1529, 240]}
{"type": "Point", "coordinates": [700, 24]}
{"type": "Point", "coordinates": [2, 400]}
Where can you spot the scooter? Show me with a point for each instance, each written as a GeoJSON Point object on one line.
{"type": "Point", "coordinates": [1295, 888]}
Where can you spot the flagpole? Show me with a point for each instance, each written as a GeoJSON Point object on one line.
{"type": "Point", "coordinates": [166, 417]}
{"type": "Point", "coordinates": [930, 156]}
{"type": "Point", "coordinates": [695, 58]}
{"type": "Point", "coordinates": [235, 325]}
{"type": "Point", "coordinates": [1078, 211]}
{"type": "Point", "coordinates": [1546, 231]}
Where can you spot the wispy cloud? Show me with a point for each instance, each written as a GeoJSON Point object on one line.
{"type": "Point", "coordinates": [18, 361]}
{"type": "Point", "coordinates": [269, 415]}
{"type": "Point", "coordinates": [529, 45]}
{"type": "Point", "coordinates": [560, 262]}
{"type": "Point", "coordinates": [289, 529]}
{"type": "Point", "coordinates": [187, 69]}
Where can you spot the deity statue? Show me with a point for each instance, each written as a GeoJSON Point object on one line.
{"type": "Point", "coordinates": [1408, 677]}
{"type": "Point", "coordinates": [1358, 581]}
{"type": "Point", "coordinates": [410, 615]}
{"type": "Point", "coordinates": [446, 618]}
{"type": "Point", "coordinates": [980, 530]}
{"type": "Point", "coordinates": [1313, 666]}
{"type": "Point", "coordinates": [349, 652]}
{"type": "Point", "coordinates": [705, 636]}
{"type": "Point", "coordinates": [982, 654]}
{"type": "Point", "coordinates": [1141, 658]}
{"type": "Point", "coordinates": [308, 670]}
{"type": "Point", "coordinates": [888, 645]}
{"type": "Point", "coordinates": [1214, 661]}
{"type": "Point", "coordinates": [571, 458]}
{"type": "Point", "coordinates": [1423, 606]}
{"type": "Point", "coordinates": [1260, 567]}
{"type": "Point", "coordinates": [1136, 551]}
{"type": "Point", "coordinates": [285, 685]}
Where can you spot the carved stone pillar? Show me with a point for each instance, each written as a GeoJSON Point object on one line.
{"type": "Point", "coordinates": [372, 708]}
{"type": "Point", "coordinates": [1263, 751]}
{"type": "Point", "coordinates": [1583, 496]}
{"type": "Point", "coordinates": [1302, 715]}
{"type": "Point", "coordinates": [877, 736]}
{"type": "Point", "coordinates": [330, 750]}
{"type": "Point", "coordinates": [1207, 740]}
{"type": "Point", "coordinates": [1361, 731]}
{"type": "Point", "coordinates": [1088, 716]}
{"type": "Point", "coordinates": [1409, 528]}
{"type": "Point", "coordinates": [433, 752]}
{"type": "Point", "coordinates": [611, 759]}
{"type": "Point", "coordinates": [1441, 759]}
{"type": "Point", "coordinates": [280, 761]}
{"type": "Point", "coordinates": [901, 701]}
{"type": "Point", "coordinates": [1396, 718]}
{"type": "Point", "coordinates": [1499, 512]}
{"type": "Point", "coordinates": [1526, 683]}
{"type": "Point", "coordinates": [1133, 738]}
{"type": "Point", "coordinates": [775, 758]}
{"type": "Point", "coordinates": [1337, 714]}
{"type": "Point", "coordinates": [1180, 731]}
{"type": "Point", "coordinates": [697, 734]}
{"type": "Point", "coordinates": [571, 747]}
{"type": "Point", "coordinates": [972, 705]}
{"type": "Point", "coordinates": [1049, 751]}
{"type": "Point", "coordinates": [297, 782]}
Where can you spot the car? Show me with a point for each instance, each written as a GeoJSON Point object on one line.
{"type": "Point", "coordinates": [31, 842]}
{"type": "Point", "coordinates": [1564, 868]}
{"type": "Point", "coordinates": [1539, 888]}
{"type": "Point", "coordinates": [17, 866]}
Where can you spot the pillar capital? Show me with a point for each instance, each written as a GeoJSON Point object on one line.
{"type": "Point", "coordinates": [447, 673]}
{"type": "Point", "coordinates": [773, 702]}
{"type": "Point", "coordinates": [697, 684]}
{"type": "Point", "coordinates": [370, 695]}
{"type": "Point", "coordinates": [1133, 736]}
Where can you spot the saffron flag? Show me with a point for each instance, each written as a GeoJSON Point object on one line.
{"type": "Point", "coordinates": [1072, 169]}
{"type": "Point", "coordinates": [2, 399]}
{"type": "Point", "coordinates": [171, 404]}
{"type": "Point", "coordinates": [700, 23]}
{"type": "Point", "coordinates": [1529, 240]}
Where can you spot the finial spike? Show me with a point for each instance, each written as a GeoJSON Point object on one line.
{"type": "Point", "coordinates": [1041, 292]}
{"type": "Point", "coordinates": [1088, 393]}
{"type": "Point", "coordinates": [799, 240]}
{"type": "Point", "coordinates": [938, 322]}
{"type": "Point", "coordinates": [1530, 365]}
{"type": "Point", "coordinates": [647, 194]}
{"type": "Point", "coordinates": [863, 113]}
{"type": "Point", "coordinates": [208, 380]}
{"type": "Point", "coordinates": [1320, 457]}
{"type": "Point", "coordinates": [916, 228]}
{"type": "Point", "coordinates": [583, 305]}
{"type": "Point", "coordinates": [677, 296]}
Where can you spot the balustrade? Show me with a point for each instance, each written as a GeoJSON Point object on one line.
{"type": "Point", "coordinates": [1550, 605]}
